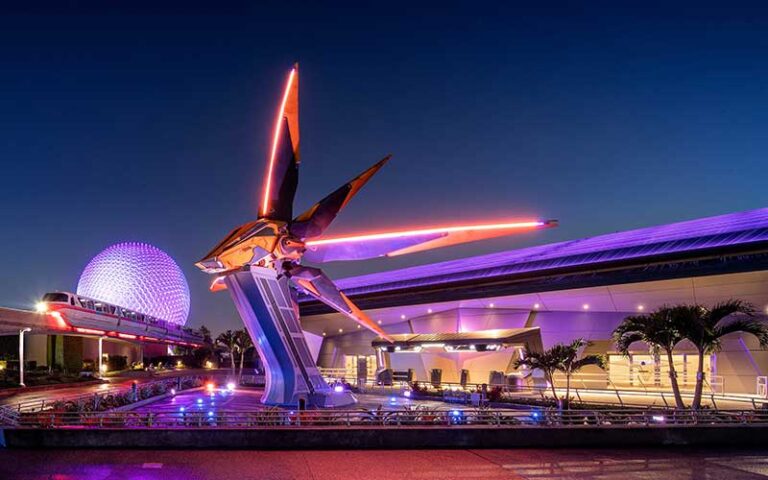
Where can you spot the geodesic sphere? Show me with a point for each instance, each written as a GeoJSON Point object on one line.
{"type": "Point", "coordinates": [139, 277]}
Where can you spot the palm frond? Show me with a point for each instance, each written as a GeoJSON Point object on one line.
{"type": "Point", "coordinates": [587, 360]}
{"type": "Point", "coordinates": [727, 308]}
{"type": "Point", "coordinates": [744, 325]}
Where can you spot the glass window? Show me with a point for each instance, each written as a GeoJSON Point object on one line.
{"type": "Point", "coordinates": [56, 297]}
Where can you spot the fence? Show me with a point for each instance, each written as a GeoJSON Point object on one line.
{"type": "Point", "coordinates": [584, 394]}
{"type": "Point", "coordinates": [384, 419]}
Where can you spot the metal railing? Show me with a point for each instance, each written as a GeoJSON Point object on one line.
{"type": "Point", "coordinates": [625, 397]}
{"type": "Point", "coordinates": [415, 417]}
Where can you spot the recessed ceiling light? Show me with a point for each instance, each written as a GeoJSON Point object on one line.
{"type": "Point", "coordinates": [379, 322]}
{"type": "Point", "coordinates": [323, 333]}
{"type": "Point", "coordinates": [341, 330]}
{"type": "Point", "coordinates": [640, 308]}
{"type": "Point", "coordinates": [358, 325]}
{"type": "Point", "coordinates": [402, 317]}
{"type": "Point", "coordinates": [536, 306]}
{"type": "Point", "coordinates": [491, 305]}
{"type": "Point", "coordinates": [585, 306]}
{"type": "Point", "coordinates": [429, 310]}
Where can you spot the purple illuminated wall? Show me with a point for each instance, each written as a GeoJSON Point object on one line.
{"type": "Point", "coordinates": [140, 277]}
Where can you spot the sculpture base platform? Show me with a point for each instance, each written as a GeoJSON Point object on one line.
{"type": "Point", "coordinates": [332, 399]}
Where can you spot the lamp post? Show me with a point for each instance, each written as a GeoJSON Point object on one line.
{"type": "Point", "coordinates": [21, 354]}
{"type": "Point", "coordinates": [101, 356]}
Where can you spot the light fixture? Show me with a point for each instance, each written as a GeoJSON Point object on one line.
{"type": "Point", "coordinates": [429, 310]}
{"type": "Point", "coordinates": [585, 306]}
{"type": "Point", "coordinates": [358, 326]}
{"type": "Point", "coordinates": [536, 306]}
{"type": "Point", "coordinates": [379, 322]}
{"type": "Point", "coordinates": [402, 317]}
{"type": "Point", "coordinates": [491, 305]}
{"type": "Point", "coordinates": [640, 308]}
{"type": "Point", "coordinates": [323, 333]}
{"type": "Point", "coordinates": [341, 330]}
{"type": "Point", "coordinates": [41, 307]}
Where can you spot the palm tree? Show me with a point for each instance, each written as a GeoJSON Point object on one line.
{"type": "Point", "coordinates": [228, 342]}
{"type": "Point", "coordinates": [661, 331]}
{"type": "Point", "coordinates": [207, 340]}
{"type": "Point", "coordinates": [569, 364]}
{"type": "Point", "coordinates": [244, 343]}
{"type": "Point", "coordinates": [705, 328]}
{"type": "Point", "coordinates": [546, 361]}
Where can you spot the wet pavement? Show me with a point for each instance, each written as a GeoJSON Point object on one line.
{"type": "Point", "coordinates": [566, 464]}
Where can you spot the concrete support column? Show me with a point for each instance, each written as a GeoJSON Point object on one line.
{"type": "Point", "coordinates": [21, 354]}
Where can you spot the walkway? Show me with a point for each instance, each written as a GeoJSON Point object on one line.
{"type": "Point", "coordinates": [670, 464]}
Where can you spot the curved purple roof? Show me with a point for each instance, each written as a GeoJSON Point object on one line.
{"type": "Point", "coordinates": [705, 233]}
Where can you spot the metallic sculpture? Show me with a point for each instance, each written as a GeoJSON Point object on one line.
{"type": "Point", "coordinates": [259, 261]}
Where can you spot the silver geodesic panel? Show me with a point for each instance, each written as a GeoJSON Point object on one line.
{"type": "Point", "coordinates": [140, 277]}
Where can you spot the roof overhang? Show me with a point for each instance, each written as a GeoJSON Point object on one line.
{"type": "Point", "coordinates": [477, 341]}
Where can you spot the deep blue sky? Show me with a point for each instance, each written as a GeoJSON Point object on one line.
{"type": "Point", "coordinates": [133, 123]}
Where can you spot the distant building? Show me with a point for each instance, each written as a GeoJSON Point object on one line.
{"type": "Point", "coordinates": [580, 288]}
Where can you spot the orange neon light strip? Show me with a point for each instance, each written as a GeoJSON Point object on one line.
{"type": "Point", "coordinates": [275, 141]}
{"type": "Point", "coordinates": [426, 231]}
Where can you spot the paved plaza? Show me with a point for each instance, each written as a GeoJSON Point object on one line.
{"type": "Point", "coordinates": [249, 400]}
{"type": "Point", "coordinates": [384, 465]}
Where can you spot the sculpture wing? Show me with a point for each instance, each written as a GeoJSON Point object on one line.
{"type": "Point", "coordinates": [318, 285]}
{"type": "Point", "coordinates": [314, 221]}
{"type": "Point", "coordinates": [282, 176]}
{"type": "Point", "coordinates": [360, 247]}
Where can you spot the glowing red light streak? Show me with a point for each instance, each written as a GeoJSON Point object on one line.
{"type": "Point", "coordinates": [275, 141]}
{"type": "Point", "coordinates": [426, 231]}
{"type": "Point", "coordinates": [126, 335]}
{"type": "Point", "coordinates": [59, 319]}
{"type": "Point", "coordinates": [89, 330]}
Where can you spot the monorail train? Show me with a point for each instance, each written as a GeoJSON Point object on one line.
{"type": "Point", "coordinates": [90, 316]}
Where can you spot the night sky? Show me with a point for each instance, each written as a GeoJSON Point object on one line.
{"type": "Point", "coordinates": [133, 123]}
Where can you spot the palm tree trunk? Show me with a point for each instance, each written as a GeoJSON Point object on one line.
{"type": "Point", "coordinates": [551, 379]}
{"type": "Point", "coordinates": [240, 376]}
{"type": "Point", "coordinates": [232, 360]}
{"type": "Point", "coordinates": [699, 382]}
{"type": "Point", "coordinates": [567, 400]}
{"type": "Point", "coordinates": [673, 381]}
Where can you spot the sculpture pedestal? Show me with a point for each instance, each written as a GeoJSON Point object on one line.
{"type": "Point", "coordinates": [264, 303]}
